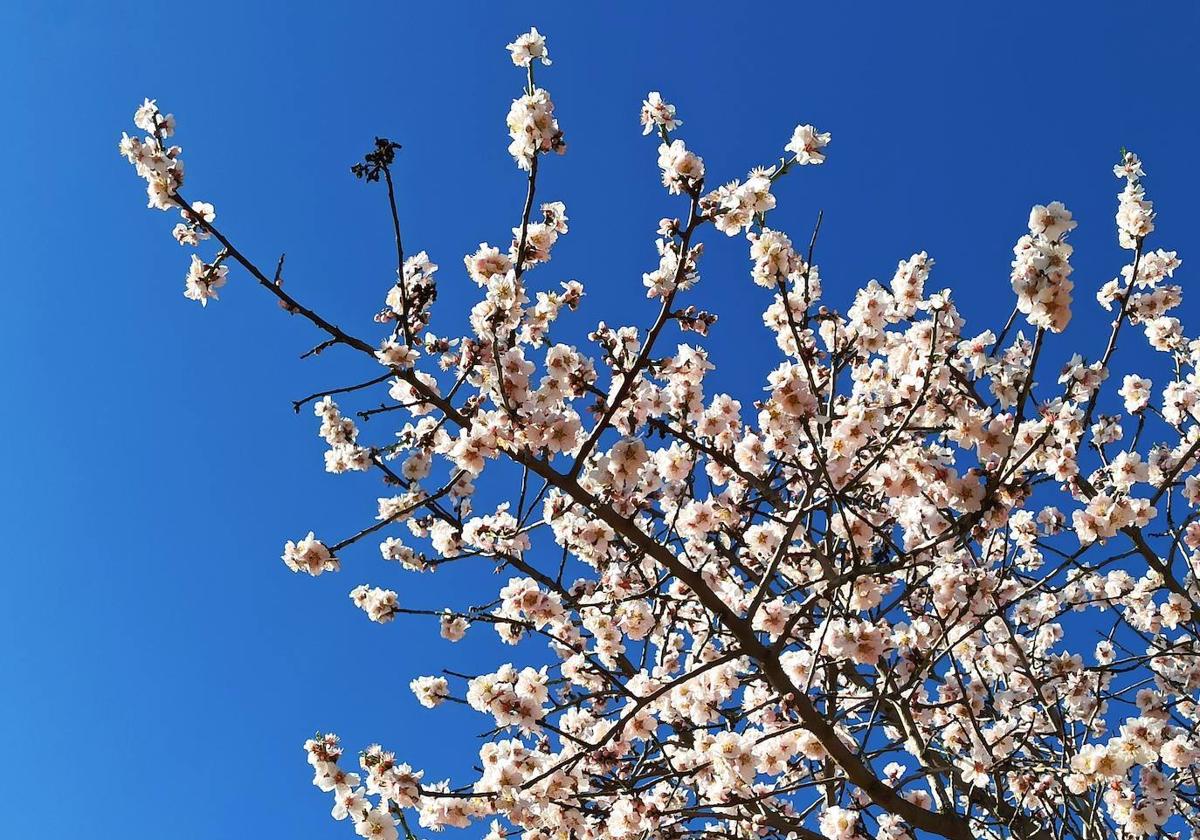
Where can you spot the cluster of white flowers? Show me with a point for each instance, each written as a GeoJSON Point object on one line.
{"type": "Point", "coordinates": [861, 642]}
{"type": "Point", "coordinates": [430, 691]}
{"type": "Point", "coordinates": [682, 170]}
{"type": "Point", "coordinates": [529, 47]}
{"type": "Point", "coordinates": [735, 207]}
{"type": "Point", "coordinates": [341, 433]}
{"type": "Point", "coordinates": [539, 237]}
{"type": "Point", "coordinates": [453, 628]}
{"type": "Point", "coordinates": [496, 534]}
{"type": "Point", "coordinates": [806, 144]}
{"type": "Point", "coordinates": [393, 549]}
{"type": "Point", "coordinates": [162, 168]}
{"type": "Point", "coordinates": [190, 231]}
{"type": "Point", "coordinates": [1105, 515]}
{"type": "Point", "coordinates": [839, 823]}
{"type": "Point", "coordinates": [390, 781]}
{"type": "Point", "coordinates": [657, 114]}
{"type": "Point", "coordinates": [674, 272]}
{"type": "Point", "coordinates": [203, 280]}
{"type": "Point", "coordinates": [512, 697]}
{"type": "Point", "coordinates": [1143, 742]}
{"type": "Point", "coordinates": [533, 128]}
{"type": "Point", "coordinates": [1135, 390]}
{"type": "Point", "coordinates": [394, 354]}
{"type": "Point", "coordinates": [414, 292]}
{"type": "Point", "coordinates": [1135, 215]}
{"type": "Point", "coordinates": [380, 605]}
{"type": "Point", "coordinates": [158, 163]}
{"type": "Point", "coordinates": [775, 261]}
{"type": "Point", "coordinates": [1041, 268]}
{"type": "Point", "coordinates": [487, 263]}
{"type": "Point", "coordinates": [309, 555]}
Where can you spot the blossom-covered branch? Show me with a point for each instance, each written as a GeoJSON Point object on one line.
{"type": "Point", "coordinates": [921, 587]}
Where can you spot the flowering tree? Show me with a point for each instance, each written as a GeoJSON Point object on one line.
{"type": "Point", "coordinates": [842, 613]}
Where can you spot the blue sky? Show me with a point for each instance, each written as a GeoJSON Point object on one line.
{"type": "Point", "coordinates": [160, 667]}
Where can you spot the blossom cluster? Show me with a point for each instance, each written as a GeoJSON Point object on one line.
{"type": "Point", "coordinates": [162, 168]}
{"type": "Point", "coordinates": [1042, 268]}
{"type": "Point", "coordinates": [531, 122]}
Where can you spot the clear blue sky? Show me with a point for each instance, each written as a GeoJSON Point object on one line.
{"type": "Point", "coordinates": [160, 668]}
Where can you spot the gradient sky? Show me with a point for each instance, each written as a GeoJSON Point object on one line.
{"type": "Point", "coordinates": [160, 667]}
